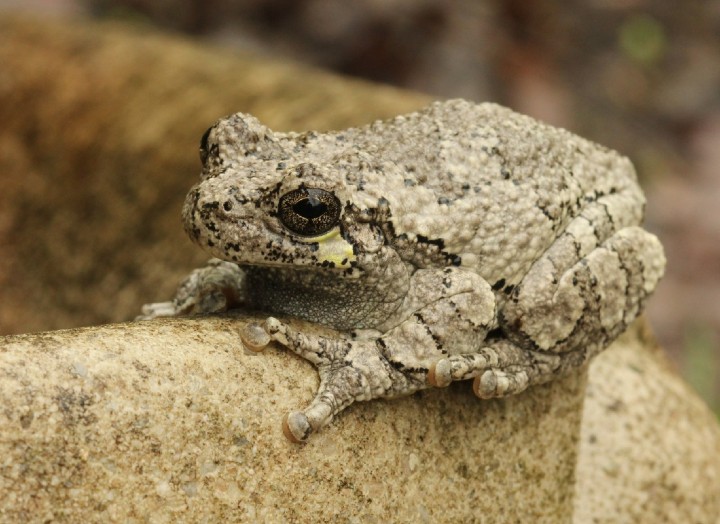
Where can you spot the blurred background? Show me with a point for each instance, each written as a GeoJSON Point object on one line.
{"type": "Point", "coordinates": [641, 76]}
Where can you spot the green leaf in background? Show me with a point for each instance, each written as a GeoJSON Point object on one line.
{"type": "Point", "coordinates": [702, 363]}
{"type": "Point", "coordinates": [643, 39]}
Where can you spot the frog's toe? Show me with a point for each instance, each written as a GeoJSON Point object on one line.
{"type": "Point", "coordinates": [296, 427]}
{"type": "Point", "coordinates": [254, 337]}
{"type": "Point", "coordinates": [494, 383]}
{"type": "Point", "coordinates": [440, 373]}
{"type": "Point", "coordinates": [273, 325]}
{"type": "Point", "coordinates": [158, 309]}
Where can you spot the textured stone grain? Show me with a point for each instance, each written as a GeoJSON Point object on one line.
{"type": "Point", "coordinates": [650, 448]}
{"type": "Point", "coordinates": [173, 421]}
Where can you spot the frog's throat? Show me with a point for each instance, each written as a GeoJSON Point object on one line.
{"type": "Point", "coordinates": [334, 249]}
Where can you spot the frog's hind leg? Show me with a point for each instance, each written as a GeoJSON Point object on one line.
{"type": "Point", "coordinates": [591, 282]}
{"type": "Point", "coordinates": [576, 299]}
{"type": "Point", "coordinates": [585, 306]}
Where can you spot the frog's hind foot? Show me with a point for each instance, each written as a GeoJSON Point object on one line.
{"type": "Point", "coordinates": [499, 370]}
{"type": "Point", "coordinates": [495, 383]}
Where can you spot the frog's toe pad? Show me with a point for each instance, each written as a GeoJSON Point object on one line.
{"type": "Point", "coordinates": [495, 383]}
{"type": "Point", "coordinates": [254, 337]}
{"type": "Point", "coordinates": [273, 325]}
{"type": "Point", "coordinates": [296, 427]}
{"type": "Point", "coordinates": [440, 374]}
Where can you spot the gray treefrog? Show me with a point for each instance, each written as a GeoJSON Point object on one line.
{"type": "Point", "coordinates": [461, 241]}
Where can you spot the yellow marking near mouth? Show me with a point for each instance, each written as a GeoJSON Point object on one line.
{"type": "Point", "coordinates": [332, 247]}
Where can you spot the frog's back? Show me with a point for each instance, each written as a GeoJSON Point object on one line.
{"type": "Point", "coordinates": [492, 187]}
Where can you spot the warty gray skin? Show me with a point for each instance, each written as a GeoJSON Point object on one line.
{"type": "Point", "coordinates": [462, 241]}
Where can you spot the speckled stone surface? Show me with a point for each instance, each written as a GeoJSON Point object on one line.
{"type": "Point", "coordinates": [650, 448]}
{"type": "Point", "coordinates": [173, 420]}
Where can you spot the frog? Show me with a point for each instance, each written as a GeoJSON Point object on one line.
{"type": "Point", "coordinates": [461, 241]}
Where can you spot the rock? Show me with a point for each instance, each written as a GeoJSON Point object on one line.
{"type": "Point", "coordinates": [650, 448]}
{"type": "Point", "coordinates": [173, 419]}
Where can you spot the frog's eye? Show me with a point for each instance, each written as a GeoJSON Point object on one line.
{"type": "Point", "coordinates": [309, 211]}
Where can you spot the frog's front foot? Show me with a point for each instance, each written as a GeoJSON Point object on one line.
{"type": "Point", "coordinates": [216, 287]}
{"type": "Point", "coordinates": [349, 370]}
{"type": "Point", "coordinates": [158, 309]}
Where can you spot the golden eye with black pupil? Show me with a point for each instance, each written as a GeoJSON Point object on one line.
{"type": "Point", "coordinates": [309, 211]}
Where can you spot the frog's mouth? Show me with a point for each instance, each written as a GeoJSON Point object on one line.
{"type": "Point", "coordinates": [333, 249]}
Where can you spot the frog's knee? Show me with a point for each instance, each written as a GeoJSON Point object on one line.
{"type": "Point", "coordinates": [642, 256]}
